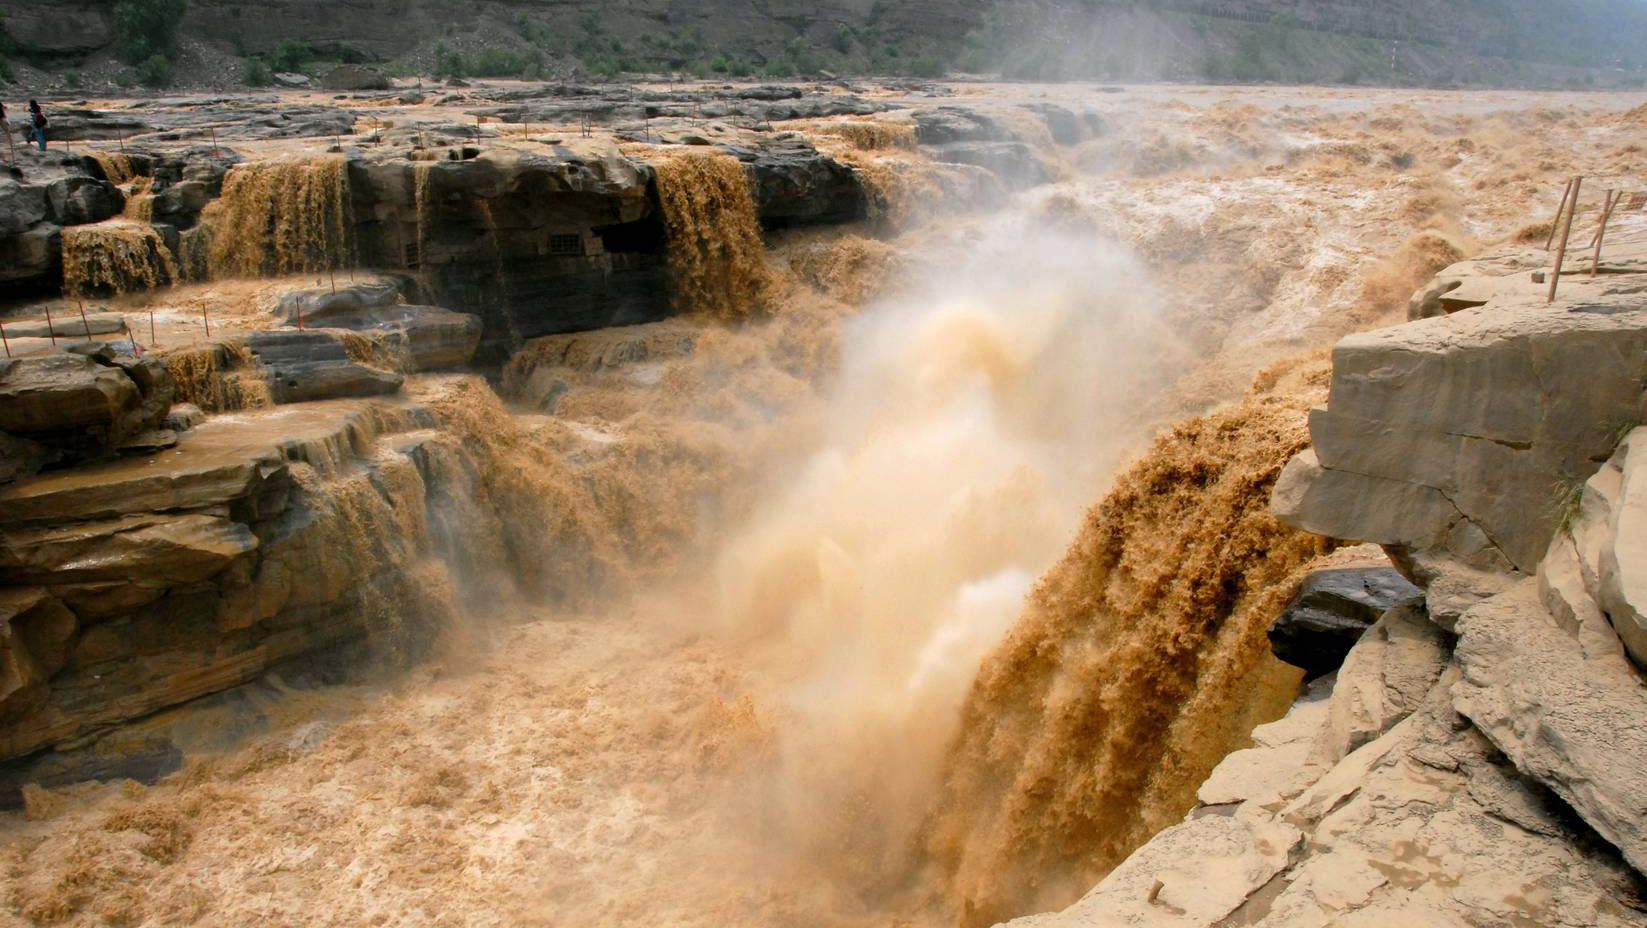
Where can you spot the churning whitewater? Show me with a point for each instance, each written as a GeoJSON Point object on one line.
{"type": "Point", "coordinates": [790, 610]}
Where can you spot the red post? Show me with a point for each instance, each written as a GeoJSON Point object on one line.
{"type": "Point", "coordinates": [51, 329]}
{"type": "Point", "coordinates": [83, 320]}
{"type": "Point", "coordinates": [3, 340]}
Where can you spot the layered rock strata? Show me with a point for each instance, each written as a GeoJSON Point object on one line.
{"type": "Point", "coordinates": [289, 537]}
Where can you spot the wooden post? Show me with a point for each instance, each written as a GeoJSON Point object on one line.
{"type": "Point", "coordinates": [153, 341]}
{"type": "Point", "coordinates": [206, 314]}
{"type": "Point", "coordinates": [1566, 230]}
{"type": "Point", "coordinates": [1601, 231]}
{"type": "Point", "coordinates": [51, 329]}
{"type": "Point", "coordinates": [1550, 239]}
{"type": "Point", "coordinates": [213, 131]}
{"type": "Point", "coordinates": [3, 340]}
{"type": "Point", "coordinates": [83, 320]}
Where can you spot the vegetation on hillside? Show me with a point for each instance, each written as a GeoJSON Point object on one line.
{"type": "Point", "coordinates": [146, 33]}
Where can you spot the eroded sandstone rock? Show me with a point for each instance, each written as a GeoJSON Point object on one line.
{"type": "Point", "coordinates": [1577, 724]}
{"type": "Point", "coordinates": [1418, 413]}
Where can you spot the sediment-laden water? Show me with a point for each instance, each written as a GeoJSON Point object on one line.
{"type": "Point", "coordinates": [785, 612]}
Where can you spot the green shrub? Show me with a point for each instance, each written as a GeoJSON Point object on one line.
{"type": "Point", "coordinates": [73, 79]}
{"type": "Point", "coordinates": [842, 39]}
{"type": "Point", "coordinates": [448, 63]}
{"type": "Point", "coordinates": [155, 71]}
{"type": "Point", "coordinates": [147, 29]}
{"type": "Point", "coordinates": [254, 73]}
{"type": "Point", "coordinates": [504, 62]}
{"type": "Point", "coordinates": [290, 56]}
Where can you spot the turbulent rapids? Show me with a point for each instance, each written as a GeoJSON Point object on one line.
{"type": "Point", "coordinates": [910, 572]}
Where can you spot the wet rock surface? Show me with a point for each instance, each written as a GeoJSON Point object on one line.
{"type": "Point", "coordinates": [140, 584]}
{"type": "Point", "coordinates": [301, 366]}
{"type": "Point", "coordinates": [78, 405]}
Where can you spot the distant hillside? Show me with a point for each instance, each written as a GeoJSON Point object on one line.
{"type": "Point", "coordinates": [1399, 42]}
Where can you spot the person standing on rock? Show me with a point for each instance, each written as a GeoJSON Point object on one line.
{"type": "Point", "coordinates": [37, 124]}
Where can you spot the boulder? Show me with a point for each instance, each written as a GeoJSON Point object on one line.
{"type": "Point", "coordinates": [1621, 569]}
{"type": "Point", "coordinates": [1384, 679]}
{"type": "Point", "coordinates": [1514, 389]}
{"type": "Point", "coordinates": [182, 417]}
{"type": "Point", "coordinates": [1333, 607]}
{"type": "Point", "coordinates": [59, 393]}
{"type": "Point", "coordinates": [148, 550]}
{"type": "Point", "coordinates": [795, 184]}
{"type": "Point", "coordinates": [20, 457]}
{"type": "Point", "coordinates": [289, 79]}
{"type": "Point", "coordinates": [1063, 125]}
{"type": "Point", "coordinates": [321, 306]}
{"type": "Point", "coordinates": [1576, 724]}
{"type": "Point", "coordinates": [301, 366]}
{"type": "Point", "coordinates": [78, 200]}
{"type": "Point", "coordinates": [429, 338]}
{"type": "Point", "coordinates": [70, 326]}
{"type": "Point", "coordinates": [1016, 164]}
{"type": "Point", "coordinates": [945, 124]}
{"type": "Point", "coordinates": [355, 77]}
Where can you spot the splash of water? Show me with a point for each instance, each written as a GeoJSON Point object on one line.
{"type": "Point", "coordinates": [717, 263]}
{"type": "Point", "coordinates": [116, 167]}
{"type": "Point", "coordinates": [1140, 661]}
{"type": "Point", "coordinates": [970, 421]}
{"type": "Point", "coordinates": [280, 217]}
{"type": "Point", "coordinates": [116, 255]}
{"type": "Point", "coordinates": [872, 136]}
{"type": "Point", "coordinates": [221, 377]}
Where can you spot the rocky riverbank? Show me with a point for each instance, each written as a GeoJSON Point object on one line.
{"type": "Point", "coordinates": [1477, 759]}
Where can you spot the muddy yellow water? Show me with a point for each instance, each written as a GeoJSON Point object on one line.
{"type": "Point", "coordinates": [798, 614]}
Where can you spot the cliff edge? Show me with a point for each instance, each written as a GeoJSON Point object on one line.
{"type": "Point", "coordinates": [1480, 757]}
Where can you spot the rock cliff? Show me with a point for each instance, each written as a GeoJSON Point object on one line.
{"type": "Point", "coordinates": [1478, 758]}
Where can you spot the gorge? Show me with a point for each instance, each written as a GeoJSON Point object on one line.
{"type": "Point", "coordinates": [513, 504]}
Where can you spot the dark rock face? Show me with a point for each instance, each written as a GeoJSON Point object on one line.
{"type": "Point", "coordinates": [54, 190]}
{"type": "Point", "coordinates": [301, 366]}
{"type": "Point", "coordinates": [1065, 127]}
{"type": "Point", "coordinates": [427, 337]}
{"type": "Point", "coordinates": [793, 184]}
{"type": "Point", "coordinates": [1015, 164]}
{"type": "Point", "coordinates": [946, 124]}
{"type": "Point", "coordinates": [355, 77]}
{"type": "Point", "coordinates": [1333, 607]}
{"type": "Point", "coordinates": [531, 244]}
